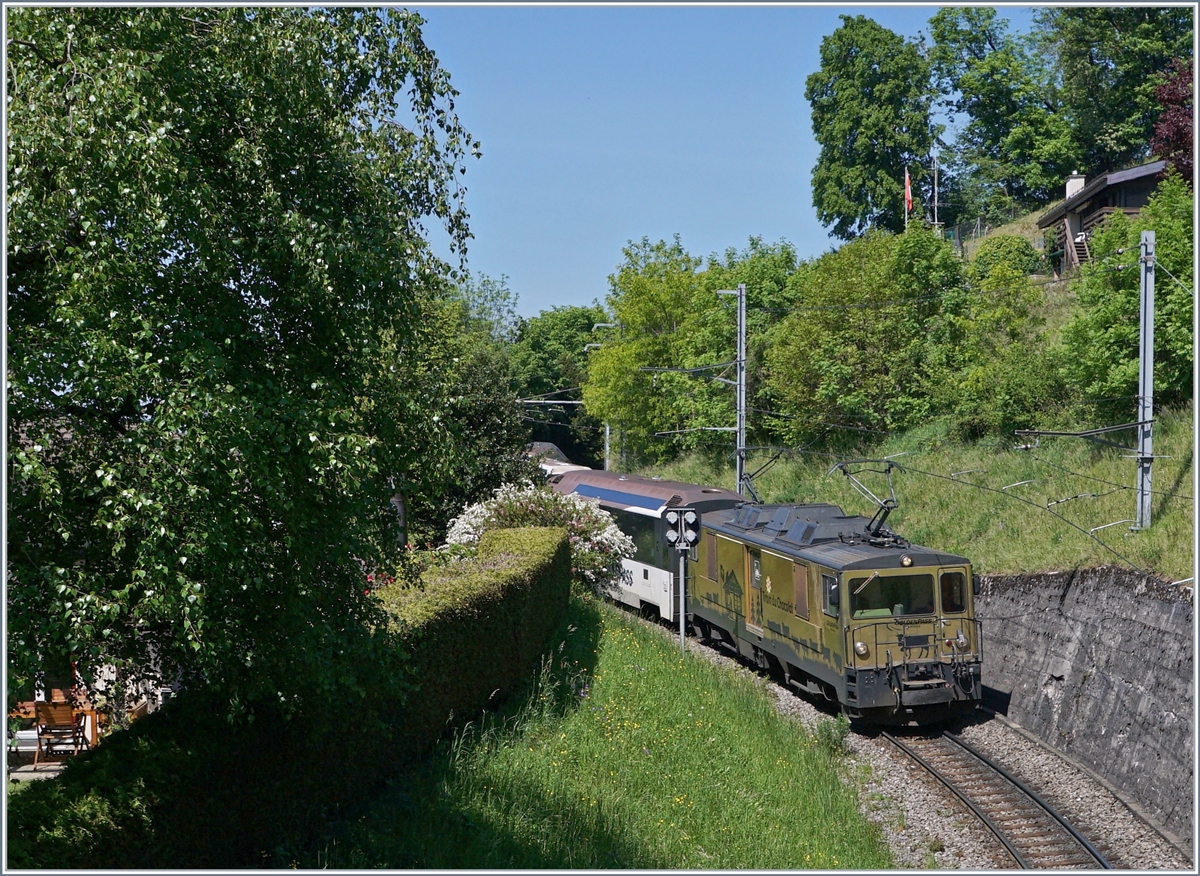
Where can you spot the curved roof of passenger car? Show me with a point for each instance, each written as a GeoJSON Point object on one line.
{"type": "Point", "coordinates": [650, 496]}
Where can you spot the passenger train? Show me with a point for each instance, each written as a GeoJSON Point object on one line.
{"type": "Point", "coordinates": [832, 604]}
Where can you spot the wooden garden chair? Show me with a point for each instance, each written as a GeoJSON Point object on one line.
{"type": "Point", "coordinates": [58, 725]}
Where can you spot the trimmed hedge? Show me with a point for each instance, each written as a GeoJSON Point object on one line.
{"type": "Point", "coordinates": [476, 631]}
{"type": "Point", "coordinates": [183, 788]}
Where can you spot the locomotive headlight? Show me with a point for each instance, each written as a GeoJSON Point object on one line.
{"type": "Point", "coordinates": [860, 648]}
{"type": "Point", "coordinates": [906, 561]}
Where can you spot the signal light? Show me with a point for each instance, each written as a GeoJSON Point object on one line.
{"type": "Point", "coordinates": [691, 527]}
{"type": "Point", "coordinates": [683, 528]}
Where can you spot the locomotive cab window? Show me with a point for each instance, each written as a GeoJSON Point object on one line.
{"type": "Point", "coordinates": [954, 592]}
{"type": "Point", "coordinates": [882, 594]}
{"type": "Point", "coordinates": [829, 587]}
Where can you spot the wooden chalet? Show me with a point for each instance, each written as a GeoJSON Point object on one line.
{"type": "Point", "coordinates": [1089, 203]}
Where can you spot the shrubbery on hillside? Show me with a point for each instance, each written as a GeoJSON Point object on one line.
{"type": "Point", "coordinates": [1101, 343]}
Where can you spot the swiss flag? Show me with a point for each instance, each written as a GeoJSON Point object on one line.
{"type": "Point", "coordinates": [907, 192]}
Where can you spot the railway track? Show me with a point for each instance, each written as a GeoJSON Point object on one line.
{"type": "Point", "coordinates": [1030, 830]}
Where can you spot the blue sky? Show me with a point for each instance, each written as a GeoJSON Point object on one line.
{"type": "Point", "coordinates": [605, 124]}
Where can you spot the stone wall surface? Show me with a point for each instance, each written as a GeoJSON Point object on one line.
{"type": "Point", "coordinates": [1099, 664]}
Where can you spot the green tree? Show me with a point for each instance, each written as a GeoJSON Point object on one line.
{"type": "Point", "coordinates": [1016, 142]}
{"type": "Point", "coordinates": [765, 269]}
{"type": "Point", "coordinates": [549, 361]}
{"type": "Point", "coordinates": [1110, 59]}
{"type": "Point", "coordinates": [871, 102]}
{"type": "Point", "coordinates": [1101, 342]}
{"type": "Point", "coordinates": [853, 354]}
{"type": "Point", "coordinates": [466, 424]}
{"type": "Point", "coordinates": [216, 223]}
{"type": "Point", "coordinates": [490, 306]}
{"type": "Point", "coordinates": [653, 297]}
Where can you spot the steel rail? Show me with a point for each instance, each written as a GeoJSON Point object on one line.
{"type": "Point", "coordinates": [970, 804]}
{"type": "Point", "coordinates": [1035, 797]}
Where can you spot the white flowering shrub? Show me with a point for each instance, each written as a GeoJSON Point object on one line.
{"type": "Point", "coordinates": [597, 545]}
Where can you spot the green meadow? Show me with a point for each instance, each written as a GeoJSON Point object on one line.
{"type": "Point", "coordinates": [626, 753]}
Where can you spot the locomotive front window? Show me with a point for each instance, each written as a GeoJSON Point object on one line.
{"type": "Point", "coordinates": [954, 592]}
{"type": "Point", "coordinates": [887, 595]}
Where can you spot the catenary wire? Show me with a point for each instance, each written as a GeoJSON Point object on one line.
{"type": "Point", "coordinates": [1032, 504]}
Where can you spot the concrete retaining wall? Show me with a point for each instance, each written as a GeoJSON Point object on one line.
{"type": "Point", "coordinates": [1099, 664]}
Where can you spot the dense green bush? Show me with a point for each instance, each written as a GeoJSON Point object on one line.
{"type": "Point", "coordinates": [1004, 249]}
{"type": "Point", "coordinates": [1100, 343]}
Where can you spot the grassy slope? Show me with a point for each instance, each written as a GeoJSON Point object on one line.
{"type": "Point", "coordinates": [630, 755]}
{"type": "Point", "coordinates": [1012, 530]}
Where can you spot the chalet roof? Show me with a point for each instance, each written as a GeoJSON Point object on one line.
{"type": "Point", "coordinates": [1071, 204]}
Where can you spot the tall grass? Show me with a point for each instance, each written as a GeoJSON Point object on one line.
{"type": "Point", "coordinates": [962, 498]}
{"type": "Point", "coordinates": [626, 754]}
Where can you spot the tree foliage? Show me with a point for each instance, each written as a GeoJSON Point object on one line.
{"type": "Point", "coordinates": [1173, 138]}
{"type": "Point", "coordinates": [1016, 143]}
{"type": "Point", "coordinates": [671, 316]}
{"type": "Point", "coordinates": [549, 362]}
{"type": "Point", "coordinates": [215, 255]}
{"type": "Point", "coordinates": [871, 101]}
{"type": "Point", "coordinates": [463, 419]}
{"type": "Point", "coordinates": [652, 299]}
{"type": "Point", "coordinates": [1110, 59]}
{"type": "Point", "coordinates": [853, 356]}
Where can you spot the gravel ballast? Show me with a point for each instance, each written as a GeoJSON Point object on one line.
{"type": "Point", "coordinates": [926, 828]}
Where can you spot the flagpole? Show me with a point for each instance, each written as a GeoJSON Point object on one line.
{"type": "Point", "coordinates": [906, 197]}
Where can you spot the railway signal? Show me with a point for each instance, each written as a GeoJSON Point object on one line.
{"type": "Point", "coordinates": [683, 528]}
{"type": "Point", "coordinates": [683, 534]}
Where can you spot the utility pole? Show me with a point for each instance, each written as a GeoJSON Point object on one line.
{"type": "Point", "coordinates": [739, 383]}
{"type": "Point", "coordinates": [935, 193]}
{"type": "Point", "coordinates": [740, 453]}
{"type": "Point", "coordinates": [1145, 452]}
{"type": "Point", "coordinates": [607, 431]}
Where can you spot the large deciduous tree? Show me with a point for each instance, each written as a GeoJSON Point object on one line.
{"type": "Point", "coordinates": [871, 102]}
{"type": "Point", "coordinates": [1110, 59]}
{"type": "Point", "coordinates": [1016, 144]}
{"type": "Point", "coordinates": [653, 296]}
{"type": "Point", "coordinates": [216, 246]}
